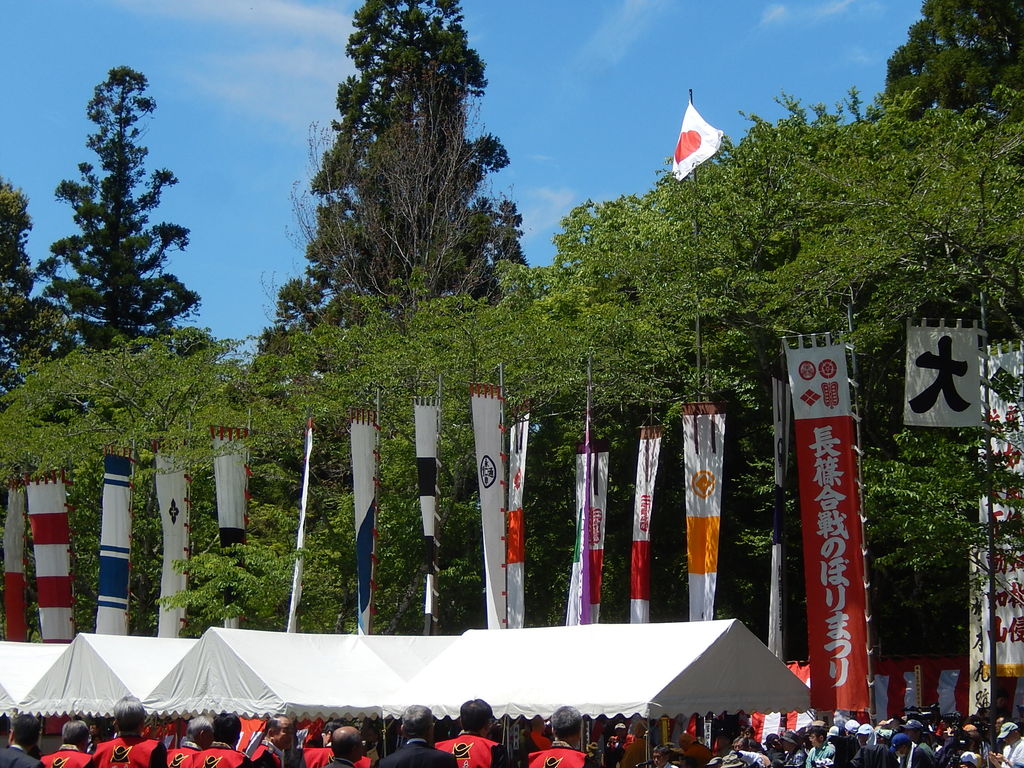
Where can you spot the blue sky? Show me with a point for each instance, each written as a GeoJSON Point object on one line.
{"type": "Point", "coordinates": [587, 96]}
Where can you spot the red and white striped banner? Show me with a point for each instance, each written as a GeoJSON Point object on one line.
{"type": "Point", "coordinates": [703, 459]}
{"type": "Point", "coordinates": [363, 431]}
{"type": "Point", "coordinates": [14, 563]}
{"type": "Point", "coordinates": [515, 550]}
{"type": "Point", "coordinates": [48, 518]}
{"type": "Point", "coordinates": [115, 542]}
{"type": "Point", "coordinates": [487, 402]}
{"type": "Point", "coordinates": [640, 555]}
{"type": "Point", "coordinates": [832, 536]}
{"type": "Point", "coordinates": [172, 496]}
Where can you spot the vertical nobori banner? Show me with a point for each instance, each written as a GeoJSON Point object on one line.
{"type": "Point", "coordinates": [115, 542]}
{"type": "Point", "coordinates": [515, 550]}
{"type": "Point", "coordinates": [487, 402]}
{"type": "Point", "coordinates": [640, 555]}
{"type": "Point", "coordinates": [300, 536]}
{"type": "Point", "coordinates": [1006, 372]}
{"type": "Point", "coordinates": [51, 544]}
{"type": "Point", "coordinates": [943, 376]}
{"type": "Point", "coordinates": [14, 564]}
{"type": "Point", "coordinates": [588, 553]}
{"type": "Point", "coordinates": [231, 475]}
{"type": "Point", "coordinates": [427, 416]}
{"type": "Point", "coordinates": [363, 431]}
{"type": "Point", "coordinates": [703, 459]}
{"type": "Point", "coordinates": [830, 514]}
{"type": "Point", "coordinates": [782, 417]}
{"type": "Point", "coordinates": [172, 496]}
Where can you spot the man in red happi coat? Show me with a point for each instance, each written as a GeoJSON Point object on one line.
{"type": "Point", "coordinates": [564, 751]}
{"type": "Point", "coordinates": [129, 748]}
{"type": "Point", "coordinates": [472, 748]}
{"type": "Point", "coordinates": [74, 738]}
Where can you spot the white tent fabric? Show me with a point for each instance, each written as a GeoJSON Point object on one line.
{"type": "Point", "coordinates": [672, 669]}
{"type": "Point", "coordinates": [94, 671]}
{"type": "Point", "coordinates": [256, 674]}
{"type": "Point", "coordinates": [21, 666]}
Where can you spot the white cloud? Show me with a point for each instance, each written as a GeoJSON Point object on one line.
{"type": "Point", "coordinates": [543, 208]}
{"type": "Point", "coordinates": [617, 33]}
{"type": "Point", "coordinates": [774, 13]}
{"type": "Point", "coordinates": [278, 61]}
{"type": "Point", "coordinates": [832, 7]}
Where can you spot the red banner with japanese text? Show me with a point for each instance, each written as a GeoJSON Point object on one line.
{"type": "Point", "coordinates": [831, 523]}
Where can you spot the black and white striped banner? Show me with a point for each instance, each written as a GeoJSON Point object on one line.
{"type": "Point", "coordinates": [427, 412]}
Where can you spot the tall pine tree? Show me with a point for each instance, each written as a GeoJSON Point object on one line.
{"type": "Point", "coordinates": [118, 286]}
{"type": "Point", "coordinates": [401, 205]}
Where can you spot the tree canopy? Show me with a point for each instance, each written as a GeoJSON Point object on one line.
{"type": "Point", "coordinates": [118, 284]}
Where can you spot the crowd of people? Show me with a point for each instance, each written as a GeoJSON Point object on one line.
{"type": "Point", "coordinates": [562, 741]}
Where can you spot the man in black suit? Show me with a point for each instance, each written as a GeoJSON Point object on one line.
{"type": "Point", "coordinates": [416, 752]}
{"type": "Point", "coordinates": [24, 740]}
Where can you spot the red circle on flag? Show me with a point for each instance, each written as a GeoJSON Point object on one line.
{"type": "Point", "coordinates": [689, 142]}
{"type": "Point", "coordinates": [807, 370]}
{"type": "Point", "coordinates": [827, 368]}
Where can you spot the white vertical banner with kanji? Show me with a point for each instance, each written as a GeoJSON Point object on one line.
{"type": "Point", "coordinates": [942, 387]}
{"type": "Point", "coordinates": [703, 461]}
{"type": "Point", "coordinates": [363, 429]}
{"type": "Point", "coordinates": [782, 418]}
{"type": "Point", "coordinates": [172, 496]}
{"type": "Point", "coordinates": [643, 505]}
{"type": "Point", "coordinates": [1006, 371]}
{"type": "Point", "coordinates": [487, 402]}
{"type": "Point", "coordinates": [516, 536]}
{"type": "Point", "coordinates": [830, 514]}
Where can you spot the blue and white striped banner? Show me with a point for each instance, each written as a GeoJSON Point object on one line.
{"type": "Point", "coordinates": [115, 545]}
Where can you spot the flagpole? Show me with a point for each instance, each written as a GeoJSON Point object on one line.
{"type": "Point", "coordinates": [300, 539]}
{"type": "Point", "coordinates": [587, 502]}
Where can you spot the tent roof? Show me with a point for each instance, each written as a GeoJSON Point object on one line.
{"type": "Point", "coordinates": [262, 673]}
{"type": "Point", "coordinates": [95, 671]}
{"type": "Point", "coordinates": [21, 666]}
{"type": "Point", "coordinates": [670, 669]}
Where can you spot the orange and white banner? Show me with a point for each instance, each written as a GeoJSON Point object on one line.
{"type": "Point", "coordinates": [703, 459]}
{"type": "Point", "coordinates": [487, 404]}
{"type": "Point", "coordinates": [830, 511]}
{"type": "Point", "coordinates": [516, 537]}
{"type": "Point", "coordinates": [640, 556]}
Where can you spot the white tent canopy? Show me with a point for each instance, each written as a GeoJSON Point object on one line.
{"type": "Point", "coordinates": [21, 666]}
{"type": "Point", "coordinates": [256, 674]}
{"type": "Point", "coordinates": [669, 669]}
{"type": "Point", "coordinates": [95, 671]}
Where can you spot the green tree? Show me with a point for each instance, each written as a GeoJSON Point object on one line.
{"type": "Point", "coordinates": [118, 284]}
{"type": "Point", "coordinates": [399, 205]}
{"type": "Point", "coordinates": [16, 281]}
{"type": "Point", "coordinates": [958, 53]}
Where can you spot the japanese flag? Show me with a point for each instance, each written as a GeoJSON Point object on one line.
{"type": "Point", "coordinates": [698, 141]}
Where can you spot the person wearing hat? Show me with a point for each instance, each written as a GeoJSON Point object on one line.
{"type": "Point", "coordinates": [869, 754]}
{"type": "Point", "coordinates": [793, 753]}
{"type": "Point", "coordinates": [692, 748]}
{"type": "Point", "coordinates": [907, 753]}
{"type": "Point", "coordinates": [970, 760]}
{"type": "Point", "coordinates": [1013, 748]}
{"type": "Point", "coordinates": [915, 730]}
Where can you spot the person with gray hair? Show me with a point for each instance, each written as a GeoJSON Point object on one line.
{"type": "Point", "coordinates": [278, 738]}
{"type": "Point", "coordinates": [198, 736]}
{"type": "Point", "coordinates": [564, 751]}
{"type": "Point", "coordinates": [416, 752]}
{"type": "Point", "coordinates": [128, 748]}
{"type": "Point", "coordinates": [74, 737]}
